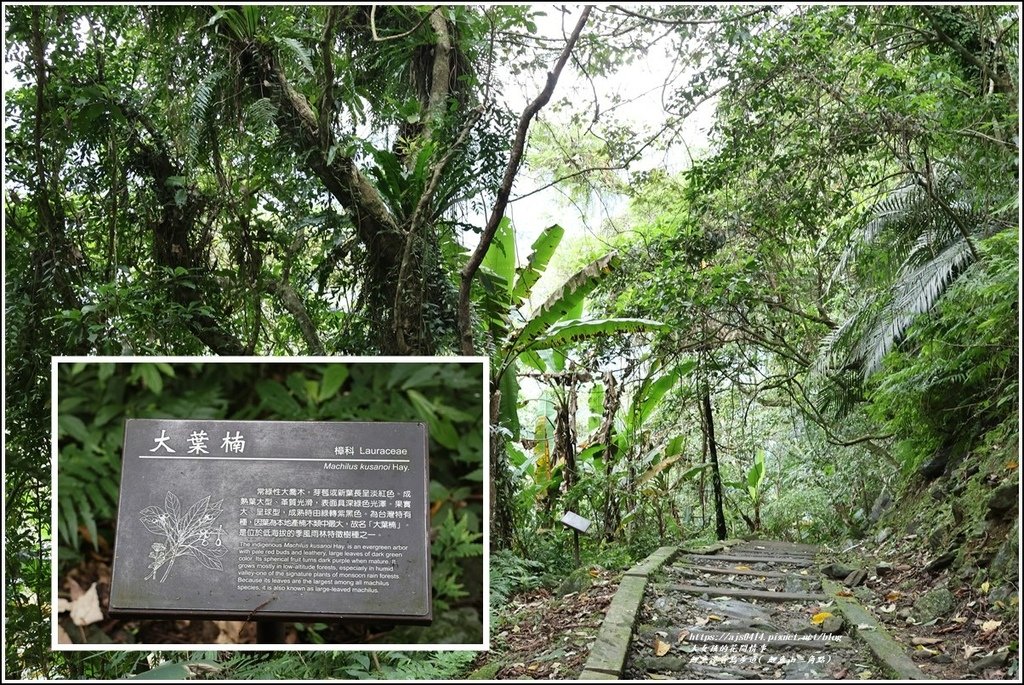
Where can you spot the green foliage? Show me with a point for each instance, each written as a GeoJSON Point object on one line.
{"type": "Point", "coordinates": [952, 378]}
{"type": "Point", "coordinates": [510, 575]}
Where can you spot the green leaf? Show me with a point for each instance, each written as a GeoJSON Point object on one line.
{"type": "Point", "coordinates": [69, 424]}
{"type": "Point", "coordinates": [171, 670]}
{"type": "Point", "coordinates": [575, 330]}
{"type": "Point", "coordinates": [277, 398]}
{"type": "Point", "coordinates": [563, 300]}
{"type": "Point", "coordinates": [501, 255]}
{"type": "Point", "coordinates": [334, 377]}
{"type": "Point", "coordinates": [543, 249]}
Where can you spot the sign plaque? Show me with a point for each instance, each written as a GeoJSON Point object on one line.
{"type": "Point", "coordinates": [575, 521]}
{"type": "Point", "coordinates": [273, 520]}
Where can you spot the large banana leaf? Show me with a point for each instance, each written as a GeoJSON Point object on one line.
{"type": "Point", "coordinates": [651, 392]}
{"type": "Point", "coordinates": [575, 330]}
{"type": "Point", "coordinates": [543, 249]}
{"type": "Point", "coordinates": [564, 300]}
{"type": "Point", "coordinates": [500, 258]}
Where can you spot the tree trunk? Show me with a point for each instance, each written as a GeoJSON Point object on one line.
{"type": "Point", "coordinates": [716, 476]}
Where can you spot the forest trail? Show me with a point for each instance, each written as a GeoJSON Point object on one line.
{"type": "Point", "coordinates": [755, 610]}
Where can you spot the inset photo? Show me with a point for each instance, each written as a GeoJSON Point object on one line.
{"type": "Point", "coordinates": [307, 502]}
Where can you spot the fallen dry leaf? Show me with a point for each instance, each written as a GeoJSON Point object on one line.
{"type": "Point", "coordinates": [86, 609]}
{"type": "Point", "coordinates": [682, 636]}
{"type": "Point", "coordinates": [1011, 465]}
{"type": "Point", "coordinates": [229, 632]}
{"type": "Point", "coordinates": [741, 567]}
{"type": "Point", "coordinates": [926, 640]}
{"type": "Point", "coordinates": [959, 619]}
{"type": "Point", "coordinates": [887, 609]}
{"type": "Point", "coordinates": [804, 572]}
{"type": "Point", "coordinates": [893, 595]}
{"type": "Point", "coordinates": [844, 593]}
{"type": "Point", "coordinates": [820, 617]}
{"type": "Point", "coordinates": [715, 617]}
{"type": "Point", "coordinates": [985, 586]}
{"type": "Point", "coordinates": [970, 650]}
{"type": "Point", "coordinates": [661, 648]}
{"type": "Point", "coordinates": [990, 626]}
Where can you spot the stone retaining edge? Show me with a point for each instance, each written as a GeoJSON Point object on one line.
{"type": "Point", "coordinates": [608, 653]}
{"type": "Point", "coordinates": [888, 652]}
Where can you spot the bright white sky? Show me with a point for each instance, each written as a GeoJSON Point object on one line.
{"type": "Point", "coordinates": [638, 84]}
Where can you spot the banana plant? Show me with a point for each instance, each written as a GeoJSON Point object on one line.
{"type": "Point", "coordinates": [751, 486]}
{"type": "Point", "coordinates": [555, 324]}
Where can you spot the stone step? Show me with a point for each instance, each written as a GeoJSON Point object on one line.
{"type": "Point", "coordinates": [698, 636]}
{"type": "Point", "coordinates": [747, 594]}
{"type": "Point", "coordinates": [790, 561]}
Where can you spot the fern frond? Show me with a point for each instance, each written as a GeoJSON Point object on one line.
{"type": "Point", "coordinates": [199, 112]}
{"type": "Point", "coordinates": [298, 51]}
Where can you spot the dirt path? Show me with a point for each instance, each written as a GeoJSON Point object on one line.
{"type": "Point", "coordinates": [754, 611]}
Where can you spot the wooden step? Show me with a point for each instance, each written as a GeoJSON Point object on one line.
{"type": "Point", "coordinates": [726, 571]}
{"type": "Point", "coordinates": [748, 594]}
{"type": "Point", "coordinates": [791, 561]}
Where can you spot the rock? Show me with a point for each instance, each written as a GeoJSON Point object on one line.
{"type": "Point", "coordinates": [905, 613]}
{"type": "Point", "coordinates": [940, 562]}
{"type": "Point", "coordinates": [734, 608]}
{"type": "Point", "coordinates": [1000, 594]}
{"type": "Point", "coordinates": [942, 659]}
{"type": "Point", "coordinates": [934, 467]}
{"type": "Point", "coordinates": [883, 568]}
{"type": "Point", "coordinates": [809, 629]}
{"type": "Point", "coordinates": [883, 535]}
{"type": "Point", "coordinates": [795, 584]}
{"type": "Point", "coordinates": [837, 571]}
{"type": "Point", "coordinates": [577, 581]}
{"type": "Point", "coordinates": [802, 670]}
{"type": "Point", "coordinates": [1003, 499]}
{"type": "Point", "coordinates": [882, 502]}
{"type": "Point", "coordinates": [833, 625]}
{"type": "Point", "coordinates": [933, 604]}
{"type": "Point", "coordinates": [1006, 561]}
{"type": "Point", "coordinates": [984, 663]}
{"type": "Point", "coordinates": [662, 604]}
{"type": "Point", "coordinates": [855, 578]}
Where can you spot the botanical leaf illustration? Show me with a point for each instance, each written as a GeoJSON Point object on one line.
{"type": "Point", "coordinates": [189, 534]}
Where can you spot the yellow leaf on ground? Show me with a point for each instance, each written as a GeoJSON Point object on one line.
{"type": "Point", "coordinates": [985, 586]}
{"type": "Point", "coordinates": [661, 648]}
{"type": "Point", "coordinates": [715, 617]}
{"type": "Point", "coordinates": [1011, 465]}
{"type": "Point", "coordinates": [820, 617]}
{"type": "Point", "coordinates": [893, 595]}
{"type": "Point", "coordinates": [990, 626]}
{"type": "Point", "coordinates": [742, 567]}
{"type": "Point", "coordinates": [844, 593]}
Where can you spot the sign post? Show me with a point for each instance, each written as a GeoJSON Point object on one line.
{"type": "Point", "coordinates": [578, 524]}
{"type": "Point", "coordinates": [272, 520]}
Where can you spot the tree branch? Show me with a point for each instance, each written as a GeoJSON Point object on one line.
{"type": "Point", "coordinates": [291, 301]}
{"type": "Point", "coordinates": [511, 170]}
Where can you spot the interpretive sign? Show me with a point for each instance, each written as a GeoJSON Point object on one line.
{"type": "Point", "coordinates": [273, 519]}
{"type": "Point", "coordinates": [575, 521]}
